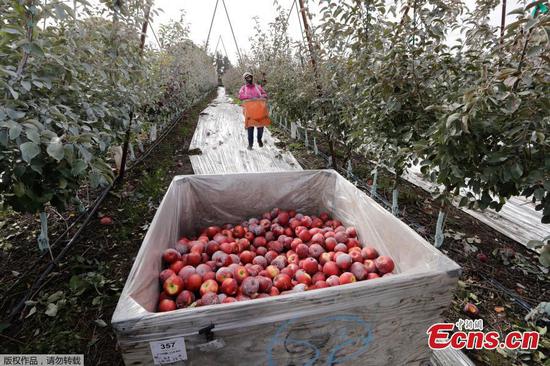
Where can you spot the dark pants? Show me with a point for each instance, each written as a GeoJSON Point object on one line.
{"type": "Point", "coordinates": [251, 134]}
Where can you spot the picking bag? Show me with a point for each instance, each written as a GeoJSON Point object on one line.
{"type": "Point", "coordinates": [256, 113]}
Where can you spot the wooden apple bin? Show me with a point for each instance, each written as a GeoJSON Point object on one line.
{"type": "Point", "coordinates": [374, 322]}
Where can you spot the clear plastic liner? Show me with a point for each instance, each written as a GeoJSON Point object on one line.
{"type": "Point", "coordinates": [198, 201]}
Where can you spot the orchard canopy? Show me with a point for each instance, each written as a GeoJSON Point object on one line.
{"type": "Point", "coordinates": [422, 82]}
{"type": "Point", "coordinates": [74, 84]}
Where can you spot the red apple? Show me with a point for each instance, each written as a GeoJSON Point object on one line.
{"type": "Point", "coordinates": [347, 277]}
{"type": "Point", "coordinates": [260, 261]}
{"type": "Point", "coordinates": [208, 286]}
{"type": "Point", "coordinates": [166, 305]}
{"type": "Point", "coordinates": [274, 291]}
{"type": "Point", "coordinates": [250, 286]}
{"type": "Point", "coordinates": [276, 246]}
{"type": "Point", "coordinates": [270, 256]}
{"type": "Point", "coordinates": [242, 298]}
{"type": "Point", "coordinates": [482, 257]}
{"type": "Point", "coordinates": [321, 284]}
{"type": "Point", "coordinates": [229, 286]}
{"type": "Point", "coordinates": [341, 247]}
{"type": "Point", "coordinates": [280, 262]}
{"type": "Point", "coordinates": [288, 272]}
{"type": "Point", "coordinates": [212, 231]}
{"type": "Point", "coordinates": [259, 242]}
{"type": "Point", "coordinates": [302, 250]}
{"type": "Point", "coordinates": [221, 259]}
{"type": "Point", "coordinates": [273, 271]}
{"type": "Point", "coordinates": [353, 243]}
{"type": "Point", "coordinates": [358, 270]}
{"type": "Point", "coordinates": [369, 265]}
{"type": "Point", "coordinates": [210, 298]}
{"type": "Point", "coordinates": [173, 285]}
{"type": "Point", "coordinates": [341, 236]}
{"type": "Point", "coordinates": [226, 247]}
{"type": "Point", "coordinates": [197, 247]}
{"type": "Point", "coordinates": [384, 264]}
{"type": "Point", "coordinates": [333, 281]}
{"type": "Point", "coordinates": [319, 276]}
{"type": "Point", "coordinates": [324, 258]}
{"type": "Point", "coordinates": [282, 282]}
{"type": "Point", "coordinates": [303, 277]}
{"type": "Point", "coordinates": [265, 284]}
{"type": "Point", "coordinates": [203, 269]}
{"type": "Point", "coordinates": [310, 265]}
{"type": "Point", "coordinates": [171, 255]}
{"type": "Point", "coordinates": [330, 243]}
{"type": "Point", "coordinates": [356, 255]}
{"type": "Point", "coordinates": [315, 250]}
{"type": "Point", "coordinates": [228, 300]}
{"type": "Point", "coordinates": [212, 247]}
{"type": "Point", "coordinates": [372, 275]}
{"type": "Point", "coordinates": [343, 261]}
{"type": "Point", "coordinates": [369, 253]}
{"type": "Point", "coordinates": [304, 236]}
{"type": "Point", "coordinates": [165, 274]}
{"type": "Point", "coordinates": [184, 299]}
{"type": "Point", "coordinates": [194, 282]}
{"type": "Point", "coordinates": [243, 244]}
{"type": "Point", "coordinates": [163, 295]}
{"type": "Point", "coordinates": [194, 259]}
{"type": "Point", "coordinates": [330, 268]}
{"type": "Point", "coordinates": [351, 232]}
{"type": "Point", "coordinates": [246, 257]}
{"type": "Point", "coordinates": [240, 273]}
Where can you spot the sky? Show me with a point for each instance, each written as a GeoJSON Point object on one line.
{"type": "Point", "coordinates": [242, 12]}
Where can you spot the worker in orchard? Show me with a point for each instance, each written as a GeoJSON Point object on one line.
{"type": "Point", "coordinates": [254, 108]}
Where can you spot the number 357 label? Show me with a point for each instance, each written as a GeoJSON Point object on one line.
{"type": "Point", "coordinates": [168, 350]}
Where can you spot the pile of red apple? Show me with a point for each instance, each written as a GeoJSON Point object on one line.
{"type": "Point", "coordinates": [282, 252]}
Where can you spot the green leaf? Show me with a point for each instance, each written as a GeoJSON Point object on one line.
{"type": "Point", "coordinates": [13, 93]}
{"type": "Point", "coordinates": [51, 310]}
{"type": "Point", "coordinates": [78, 167]}
{"type": "Point", "coordinates": [10, 30]}
{"type": "Point", "coordinates": [15, 131]}
{"type": "Point", "coordinates": [29, 150]}
{"type": "Point", "coordinates": [101, 323]}
{"type": "Point", "coordinates": [453, 117]}
{"type": "Point", "coordinates": [534, 50]}
{"type": "Point", "coordinates": [33, 135]}
{"type": "Point", "coordinates": [77, 285]}
{"type": "Point", "coordinates": [26, 85]}
{"type": "Point", "coordinates": [58, 295]}
{"type": "Point", "coordinates": [531, 23]}
{"type": "Point", "coordinates": [517, 171]}
{"type": "Point", "coordinates": [55, 150]}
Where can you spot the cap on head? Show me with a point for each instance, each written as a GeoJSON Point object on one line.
{"type": "Point", "coordinates": [246, 74]}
